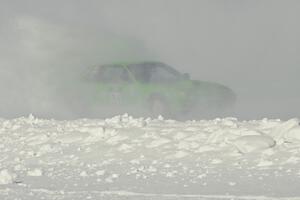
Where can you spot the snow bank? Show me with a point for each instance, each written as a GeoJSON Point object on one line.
{"type": "Point", "coordinates": [251, 143]}
{"type": "Point", "coordinates": [6, 177]}
{"type": "Point", "coordinates": [150, 155]}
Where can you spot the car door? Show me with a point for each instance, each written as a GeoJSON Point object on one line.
{"type": "Point", "coordinates": [110, 83]}
{"type": "Point", "coordinates": [171, 85]}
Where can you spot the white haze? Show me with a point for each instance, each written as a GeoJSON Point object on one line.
{"type": "Point", "coordinates": [251, 46]}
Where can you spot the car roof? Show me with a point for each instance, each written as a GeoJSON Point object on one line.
{"type": "Point", "coordinates": [145, 64]}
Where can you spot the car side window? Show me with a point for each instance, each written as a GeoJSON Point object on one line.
{"type": "Point", "coordinates": [110, 74]}
{"type": "Point", "coordinates": [162, 75]}
{"type": "Point", "coordinates": [140, 73]}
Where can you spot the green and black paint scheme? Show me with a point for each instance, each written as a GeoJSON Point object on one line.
{"type": "Point", "coordinates": [152, 89]}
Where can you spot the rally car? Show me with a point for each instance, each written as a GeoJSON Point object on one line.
{"type": "Point", "coordinates": [152, 89]}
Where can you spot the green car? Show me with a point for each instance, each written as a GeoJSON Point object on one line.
{"type": "Point", "coordinates": [152, 89]}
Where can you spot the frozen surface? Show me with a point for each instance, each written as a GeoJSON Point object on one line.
{"type": "Point", "coordinates": [127, 158]}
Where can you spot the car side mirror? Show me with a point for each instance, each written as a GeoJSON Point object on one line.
{"type": "Point", "coordinates": [186, 76]}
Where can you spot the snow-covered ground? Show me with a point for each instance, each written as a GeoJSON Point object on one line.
{"type": "Point", "coordinates": [128, 158]}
